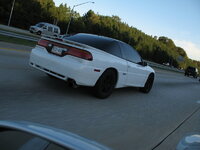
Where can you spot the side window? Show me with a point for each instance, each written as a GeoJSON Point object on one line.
{"type": "Point", "coordinates": [55, 30]}
{"type": "Point", "coordinates": [129, 53]}
{"type": "Point", "coordinates": [114, 49]}
{"type": "Point", "coordinates": [44, 27]}
{"type": "Point", "coordinates": [50, 29]}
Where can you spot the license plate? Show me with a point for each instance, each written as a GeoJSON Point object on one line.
{"type": "Point", "coordinates": [58, 50]}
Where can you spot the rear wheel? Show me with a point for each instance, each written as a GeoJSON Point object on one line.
{"type": "Point", "coordinates": [105, 84]}
{"type": "Point", "coordinates": [148, 85]}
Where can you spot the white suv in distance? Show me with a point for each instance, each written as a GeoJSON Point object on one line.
{"type": "Point", "coordinates": [91, 60]}
{"type": "Point", "coordinates": [43, 28]}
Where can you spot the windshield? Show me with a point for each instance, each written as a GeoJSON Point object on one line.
{"type": "Point", "coordinates": [40, 25]}
{"type": "Point", "coordinates": [192, 68]}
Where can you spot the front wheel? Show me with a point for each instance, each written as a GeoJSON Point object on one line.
{"type": "Point", "coordinates": [148, 85]}
{"type": "Point", "coordinates": [39, 33]}
{"type": "Point", "coordinates": [105, 84]}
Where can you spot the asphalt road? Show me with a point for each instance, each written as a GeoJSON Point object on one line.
{"type": "Point", "coordinates": [128, 120]}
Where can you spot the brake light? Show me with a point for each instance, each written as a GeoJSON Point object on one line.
{"type": "Point", "coordinates": [79, 53]}
{"type": "Point", "coordinates": [70, 50]}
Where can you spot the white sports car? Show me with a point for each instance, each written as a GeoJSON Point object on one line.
{"type": "Point", "coordinates": [91, 60]}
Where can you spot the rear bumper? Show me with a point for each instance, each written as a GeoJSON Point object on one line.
{"type": "Point", "coordinates": [64, 67]}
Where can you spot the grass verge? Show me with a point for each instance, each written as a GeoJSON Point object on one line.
{"type": "Point", "coordinates": [14, 40]}
{"type": "Point", "coordinates": [18, 32]}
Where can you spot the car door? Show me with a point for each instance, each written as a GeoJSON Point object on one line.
{"type": "Point", "coordinates": [55, 31]}
{"type": "Point", "coordinates": [136, 73]}
{"type": "Point", "coordinates": [50, 30]}
{"type": "Point", "coordinates": [45, 29]}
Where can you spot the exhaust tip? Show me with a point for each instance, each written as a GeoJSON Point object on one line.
{"type": "Point", "coordinates": [72, 83]}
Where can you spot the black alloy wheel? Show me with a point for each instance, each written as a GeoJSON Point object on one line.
{"type": "Point", "coordinates": [39, 33]}
{"type": "Point", "coordinates": [105, 84]}
{"type": "Point", "coordinates": [148, 84]}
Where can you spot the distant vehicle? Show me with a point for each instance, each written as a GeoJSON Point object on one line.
{"type": "Point", "coordinates": [167, 64]}
{"type": "Point", "coordinates": [191, 71]}
{"type": "Point", "coordinates": [45, 29]}
{"type": "Point", "coordinates": [23, 135]}
{"type": "Point", "coordinates": [189, 142]}
{"type": "Point", "coordinates": [91, 60]}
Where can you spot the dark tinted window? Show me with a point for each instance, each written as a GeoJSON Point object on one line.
{"type": "Point", "coordinates": [40, 25]}
{"type": "Point", "coordinates": [50, 29]}
{"type": "Point", "coordinates": [191, 68]}
{"type": "Point", "coordinates": [129, 53]}
{"type": "Point", "coordinates": [56, 30]}
{"type": "Point", "coordinates": [44, 27]}
{"type": "Point", "coordinates": [106, 44]}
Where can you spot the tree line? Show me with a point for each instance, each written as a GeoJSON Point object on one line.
{"type": "Point", "coordinates": [157, 49]}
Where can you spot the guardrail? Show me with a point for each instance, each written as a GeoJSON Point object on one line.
{"type": "Point", "coordinates": [152, 64]}
{"type": "Point", "coordinates": [16, 35]}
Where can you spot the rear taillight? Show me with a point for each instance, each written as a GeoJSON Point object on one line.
{"type": "Point", "coordinates": [79, 53]}
{"type": "Point", "coordinates": [70, 50]}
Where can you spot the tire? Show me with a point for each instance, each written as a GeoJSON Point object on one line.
{"type": "Point", "coordinates": [39, 33]}
{"type": "Point", "coordinates": [148, 85]}
{"type": "Point", "coordinates": [105, 84]}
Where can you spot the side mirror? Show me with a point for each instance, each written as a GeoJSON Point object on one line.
{"type": "Point", "coordinates": [143, 63]}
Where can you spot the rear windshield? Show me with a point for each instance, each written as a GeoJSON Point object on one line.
{"type": "Point", "coordinates": [106, 44]}
{"type": "Point", "coordinates": [94, 41]}
{"type": "Point", "coordinates": [191, 68]}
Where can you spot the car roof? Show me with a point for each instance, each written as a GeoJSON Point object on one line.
{"type": "Point", "coordinates": [190, 67]}
{"type": "Point", "coordinates": [48, 24]}
{"type": "Point", "coordinates": [98, 37]}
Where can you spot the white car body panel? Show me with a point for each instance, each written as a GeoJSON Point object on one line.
{"type": "Point", "coordinates": [136, 75]}
{"type": "Point", "coordinates": [82, 71]}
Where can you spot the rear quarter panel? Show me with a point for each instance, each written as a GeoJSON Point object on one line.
{"type": "Point", "coordinates": [103, 61]}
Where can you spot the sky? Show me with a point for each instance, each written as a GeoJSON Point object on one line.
{"type": "Point", "coordinates": [178, 20]}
